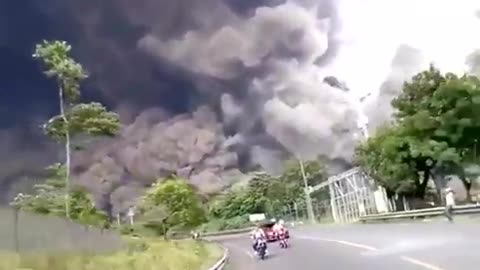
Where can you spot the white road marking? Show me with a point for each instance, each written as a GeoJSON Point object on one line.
{"type": "Point", "coordinates": [420, 263]}
{"type": "Point", "coordinates": [370, 248]}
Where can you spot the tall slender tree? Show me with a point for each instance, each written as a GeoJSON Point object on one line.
{"type": "Point", "coordinates": [75, 118]}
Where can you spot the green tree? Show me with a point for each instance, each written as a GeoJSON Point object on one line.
{"type": "Point", "coordinates": [402, 163]}
{"type": "Point", "coordinates": [235, 203]}
{"type": "Point", "coordinates": [435, 131]}
{"type": "Point", "coordinates": [447, 112]}
{"type": "Point", "coordinates": [48, 199]}
{"type": "Point", "coordinates": [268, 194]}
{"type": "Point", "coordinates": [170, 203]}
{"type": "Point", "coordinates": [74, 119]}
{"type": "Point", "coordinates": [315, 173]}
{"type": "Point", "coordinates": [302, 175]}
{"type": "Point", "coordinates": [416, 94]}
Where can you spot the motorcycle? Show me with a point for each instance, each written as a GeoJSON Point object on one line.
{"type": "Point", "coordinates": [282, 241]}
{"type": "Point", "coordinates": [261, 249]}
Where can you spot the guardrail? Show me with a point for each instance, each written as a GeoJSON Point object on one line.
{"type": "Point", "coordinates": [178, 235]}
{"type": "Point", "coordinates": [227, 232]}
{"type": "Point", "coordinates": [427, 212]}
{"type": "Point", "coordinates": [220, 264]}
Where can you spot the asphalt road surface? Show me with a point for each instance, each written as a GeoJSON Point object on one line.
{"type": "Point", "coordinates": [414, 246]}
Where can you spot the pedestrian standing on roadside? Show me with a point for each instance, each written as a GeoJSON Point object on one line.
{"type": "Point", "coordinates": [449, 203]}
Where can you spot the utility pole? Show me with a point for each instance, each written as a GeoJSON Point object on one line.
{"type": "Point", "coordinates": [308, 199]}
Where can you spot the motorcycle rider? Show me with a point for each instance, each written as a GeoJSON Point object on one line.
{"type": "Point", "coordinates": [279, 230]}
{"type": "Point", "coordinates": [278, 227]}
{"type": "Point", "coordinates": [257, 234]}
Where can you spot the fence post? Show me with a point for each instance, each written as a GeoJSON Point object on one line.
{"type": "Point", "coordinates": [15, 230]}
{"type": "Point", "coordinates": [131, 214]}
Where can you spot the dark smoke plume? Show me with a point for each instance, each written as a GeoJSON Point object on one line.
{"type": "Point", "coordinates": [258, 68]}
{"type": "Point", "coordinates": [155, 146]}
{"type": "Point", "coordinates": [277, 53]}
{"type": "Point", "coordinates": [229, 86]}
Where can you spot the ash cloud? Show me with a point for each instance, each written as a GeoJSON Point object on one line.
{"type": "Point", "coordinates": [257, 69]}
{"type": "Point", "coordinates": [473, 62]}
{"type": "Point", "coordinates": [406, 62]}
{"type": "Point", "coordinates": [229, 85]}
{"type": "Point", "coordinates": [22, 156]}
{"type": "Point", "coordinates": [156, 145]}
{"type": "Point", "coordinates": [278, 52]}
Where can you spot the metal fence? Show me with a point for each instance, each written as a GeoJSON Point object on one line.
{"type": "Point", "coordinates": [298, 212]}
{"type": "Point", "coordinates": [26, 232]}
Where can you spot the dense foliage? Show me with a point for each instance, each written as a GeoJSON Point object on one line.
{"type": "Point", "coordinates": [138, 254]}
{"type": "Point", "coordinates": [48, 199]}
{"type": "Point", "coordinates": [171, 203]}
{"type": "Point", "coordinates": [434, 133]}
{"type": "Point", "coordinates": [264, 193]}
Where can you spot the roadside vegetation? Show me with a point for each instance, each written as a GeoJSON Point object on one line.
{"type": "Point", "coordinates": [139, 254]}
{"type": "Point", "coordinates": [264, 193]}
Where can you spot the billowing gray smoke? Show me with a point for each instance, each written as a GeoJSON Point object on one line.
{"type": "Point", "coordinates": [264, 96]}
{"type": "Point", "coordinates": [245, 77]}
{"type": "Point", "coordinates": [473, 61]}
{"type": "Point", "coordinates": [407, 62]}
{"type": "Point", "coordinates": [22, 155]}
{"type": "Point", "coordinates": [187, 145]}
{"type": "Point", "coordinates": [156, 146]}
{"type": "Point", "coordinates": [277, 52]}
{"type": "Point", "coordinates": [261, 72]}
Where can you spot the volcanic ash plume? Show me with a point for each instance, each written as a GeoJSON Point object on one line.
{"type": "Point", "coordinates": [187, 145]}
{"type": "Point", "coordinates": [258, 73]}
{"type": "Point", "coordinates": [473, 61]}
{"type": "Point", "coordinates": [406, 63]}
{"type": "Point", "coordinates": [279, 52]}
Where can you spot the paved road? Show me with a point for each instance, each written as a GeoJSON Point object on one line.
{"type": "Point", "coordinates": [416, 246]}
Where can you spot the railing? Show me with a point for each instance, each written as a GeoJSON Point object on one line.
{"type": "Point", "coordinates": [220, 264]}
{"type": "Point", "coordinates": [427, 212]}
{"type": "Point", "coordinates": [227, 232]}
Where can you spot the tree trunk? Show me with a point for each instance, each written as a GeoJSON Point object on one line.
{"type": "Point", "coordinates": [467, 183]}
{"type": "Point", "coordinates": [165, 232]}
{"type": "Point", "coordinates": [439, 179]}
{"type": "Point", "coordinates": [422, 185]}
{"type": "Point", "coordinates": [67, 153]}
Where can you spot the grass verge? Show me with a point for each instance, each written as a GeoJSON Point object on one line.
{"type": "Point", "coordinates": [139, 254]}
